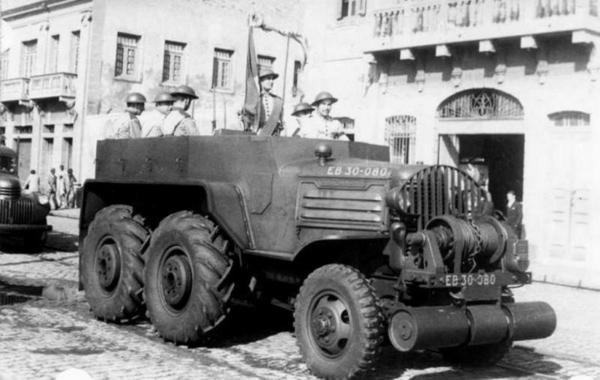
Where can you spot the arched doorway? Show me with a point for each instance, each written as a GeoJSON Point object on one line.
{"type": "Point", "coordinates": [480, 130]}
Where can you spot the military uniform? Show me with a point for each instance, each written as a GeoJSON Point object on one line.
{"type": "Point", "coordinates": [271, 114]}
{"type": "Point", "coordinates": [320, 127]}
{"type": "Point", "coordinates": [152, 122]}
{"type": "Point", "coordinates": [128, 127]}
{"type": "Point", "coordinates": [179, 123]}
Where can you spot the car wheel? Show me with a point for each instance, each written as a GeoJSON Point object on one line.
{"type": "Point", "coordinates": [189, 278]}
{"type": "Point", "coordinates": [339, 325]}
{"type": "Point", "coordinates": [112, 265]}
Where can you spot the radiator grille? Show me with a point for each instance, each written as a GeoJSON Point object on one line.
{"type": "Point", "coordinates": [10, 191]}
{"type": "Point", "coordinates": [16, 211]}
{"type": "Point", "coordinates": [439, 190]}
{"type": "Point", "coordinates": [362, 209]}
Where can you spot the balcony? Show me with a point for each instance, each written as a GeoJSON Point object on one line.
{"type": "Point", "coordinates": [57, 85]}
{"type": "Point", "coordinates": [14, 89]}
{"type": "Point", "coordinates": [417, 23]}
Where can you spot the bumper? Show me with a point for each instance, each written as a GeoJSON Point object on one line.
{"type": "Point", "coordinates": [448, 326]}
{"type": "Point", "coordinates": [9, 229]}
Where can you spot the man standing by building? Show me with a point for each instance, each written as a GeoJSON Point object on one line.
{"type": "Point", "coordinates": [33, 182]}
{"type": "Point", "coordinates": [270, 122]}
{"type": "Point", "coordinates": [130, 126]}
{"type": "Point", "coordinates": [62, 186]}
{"type": "Point", "coordinates": [52, 189]}
{"type": "Point", "coordinates": [322, 125]}
{"type": "Point", "coordinates": [178, 122]}
{"type": "Point", "coordinates": [514, 212]}
{"type": "Point", "coordinates": [152, 121]}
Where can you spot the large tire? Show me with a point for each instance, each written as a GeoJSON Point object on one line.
{"type": "Point", "coordinates": [112, 267]}
{"type": "Point", "coordinates": [339, 325]}
{"type": "Point", "coordinates": [189, 278]}
{"type": "Point", "coordinates": [476, 356]}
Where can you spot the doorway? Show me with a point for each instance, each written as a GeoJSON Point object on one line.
{"type": "Point", "coordinates": [498, 162]}
{"type": "Point", "coordinates": [24, 155]}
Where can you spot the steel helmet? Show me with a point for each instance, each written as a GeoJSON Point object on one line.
{"type": "Point", "coordinates": [267, 73]}
{"type": "Point", "coordinates": [301, 107]}
{"type": "Point", "coordinates": [164, 97]}
{"type": "Point", "coordinates": [135, 97]}
{"type": "Point", "coordinates": [184, 90]}
{"type": "Point", "coordinates": [323, 95]}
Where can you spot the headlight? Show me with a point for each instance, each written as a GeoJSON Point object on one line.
{"type": "Point", "coordinates": [43, 199]}
{"type": "Point", "coordinates": [398, 199]}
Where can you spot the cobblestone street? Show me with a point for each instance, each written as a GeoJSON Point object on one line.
{"type": "Point", "coordinates": [55, 331]}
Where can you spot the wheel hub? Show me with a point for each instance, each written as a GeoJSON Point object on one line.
{"type": "Point", "coordinates": [330, 325]}
{"type": "Point", "coordinates": [108, 264]}
{"type": "Point", "coordinates": [176, 279]}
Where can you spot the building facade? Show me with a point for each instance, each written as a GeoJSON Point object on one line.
{"type": "Point", "coordinates": [41, 73]}
{"type": "Point", "coordinates": [507, 89]}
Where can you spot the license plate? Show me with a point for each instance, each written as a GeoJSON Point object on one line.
{"type": "Point", "coordinates": [469, 279]}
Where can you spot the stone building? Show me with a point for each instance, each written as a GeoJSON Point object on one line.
{"type": "Point", "coordinates": [42, 69]}
{"type": "Point", "coordinates": [507, 89]}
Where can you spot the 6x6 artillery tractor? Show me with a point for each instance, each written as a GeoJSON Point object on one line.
{"type": "Point", "coordinates": [360, 249]}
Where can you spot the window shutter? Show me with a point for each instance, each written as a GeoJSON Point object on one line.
{"type": "Point", "coordinates": [339, 14]}
{"type": "Point", "coordinates": [362, 7]}
{"type": "Point", "coordinates": [215, 73]}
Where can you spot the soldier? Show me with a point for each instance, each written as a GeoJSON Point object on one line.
{"type": "Point", "coordinates": [514, 212]}
{"type": "Point", "coordinates": [130, 126]}
{"type": "Point", "coordinates": [152, 121]}
{"type": "Point", "coordinates": [271, 106]}
{"type": "Point", "coordinates": [302, 112]}
{"type": "Point", "coordinates": [322, 125]}
{"type": "Point", "coordinates": [178, 122]}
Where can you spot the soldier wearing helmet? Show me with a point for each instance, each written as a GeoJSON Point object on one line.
{"type": "Point", "coordinates": [321, 125]}
{"type": "Point", "coordinates": [152, 121]}
{"type": "Point", "coordinates": [303, 113]}
{"type": "Point", "coordinates": [130, 126]}
{"type": "Point", "coordinates": [178, 122]}
{"type": "Point", "coordinates": [270, 120]}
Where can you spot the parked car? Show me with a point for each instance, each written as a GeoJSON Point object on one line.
{"type": "Point", "coordinates": [22, 214]}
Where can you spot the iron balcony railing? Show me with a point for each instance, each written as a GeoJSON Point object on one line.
{"type": "Point", "coordinates": [413, 23]}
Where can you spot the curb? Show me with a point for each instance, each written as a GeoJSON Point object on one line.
{"type": "Point", "coordinates": [60, 214]}
{"type": "Point", "coordinates": [51, 289]}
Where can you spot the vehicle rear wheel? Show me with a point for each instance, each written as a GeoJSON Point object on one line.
{"type": "Point", "coordinates": [189, 278]}
{"type": "Point", "coordinates": [112, 266]}
{"type": "Point", "coordinates": [476, 356]}
{"type": "Point", "coordinates": [339, 325]}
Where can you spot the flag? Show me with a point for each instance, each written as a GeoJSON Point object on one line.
{"type": "Point", "coordinates": [252, 95]}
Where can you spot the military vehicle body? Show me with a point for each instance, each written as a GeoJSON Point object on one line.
{"type": "Point", "coordinates": [22, 214]}
{"type": "Point", "coordinates": [358, 247]}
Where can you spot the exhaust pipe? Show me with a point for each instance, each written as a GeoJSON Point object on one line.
{"type": "Point", "coordinates": [448, 326]}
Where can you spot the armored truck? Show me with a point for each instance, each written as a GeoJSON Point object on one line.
{"type": "Point", "coordinates": [363, 251]}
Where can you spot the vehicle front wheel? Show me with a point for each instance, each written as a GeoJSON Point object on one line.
{"type": "Point", "coordinates": [339, 325]}
{"type": "Point", "coordinates": [189, 278]}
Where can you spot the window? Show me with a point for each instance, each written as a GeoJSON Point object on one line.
{"type": "Point", "coordinates": [400, 135]}
{"type": "Point", "coordinates": [74, 52]}
{"type": "Point", "coordinates": [570, 119]}
{"type": "Point", "coordinates": [265, 62]}
{"type": "Point", "coordinates": [222, 70]}
{"type": "Point", "coordinates": [127, 56]}
{"type": "Point", "coordinates": [4, 64]}
{"type": "Point", "coordinates": [53, 54]}
{"type": "Point", "coordinates": [349, 8]}
{"type": "Point", "coordinates": [173, 61]}
{"type": "Point", "coordinates": [480, 104]}
{"type": "Point", "coordinates": [29, 55]}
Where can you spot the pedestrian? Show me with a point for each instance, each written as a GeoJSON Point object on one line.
{"type": "Point", "coordinates": [514, 212]}
{"type": "Point", "coordinates": [270, 121]}
{"type": "Point", "coordinates": [61, 187]}
{"type": "Point", "coordinates": [178, 122]}
{"type": "Point", "coordinates": [33, 182]}
{"type": "Point", "coordinates": [152, 121]}
{"type": "Point", "coordinates": [71, 182]}
{"type": "Point", "coordinates": [322, 125]}
{"type": "Point", "coordinates": [302, 113]}
{"type": "Point", "coordinates": [129, 126]}
{"type": "Point", "coordinates": [52, 189]}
